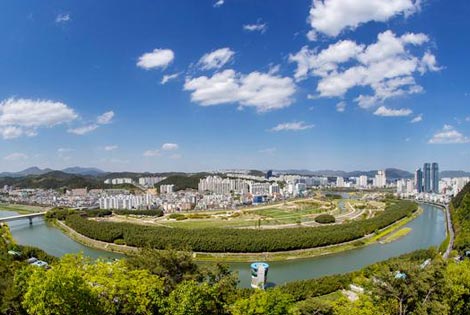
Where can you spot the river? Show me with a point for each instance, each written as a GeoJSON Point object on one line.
{"type": "Point", "coordinates": [429, 229]}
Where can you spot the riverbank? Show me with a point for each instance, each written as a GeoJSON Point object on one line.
{"type": "Point", "coordinates": [22, 209]}
{"type": "Point", "coordinates": [247, 257]}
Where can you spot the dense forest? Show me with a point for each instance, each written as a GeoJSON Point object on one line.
{"type": "Point", "coordinates": [237, 240]}
{"type": "Point", "coordinates": [183, 181]}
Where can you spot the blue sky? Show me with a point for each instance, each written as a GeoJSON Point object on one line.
{"type": "Point", "coordinates": [327, 84]}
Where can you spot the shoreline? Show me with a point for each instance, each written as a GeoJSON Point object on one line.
{"type": "Point", "coordinates": [22, 209]}
{"type": "Point", "coordinates": [247, 257]}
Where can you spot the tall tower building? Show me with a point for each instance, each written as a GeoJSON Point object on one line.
{"type": "Point", "coordinates": [435, 177]}
{"type": "Point", "coordinates": [427, 177]}
{"type": "Point", "coordinates": [419, 180]}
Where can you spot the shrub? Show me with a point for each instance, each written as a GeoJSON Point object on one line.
{"type": "Point", "coordinates": [325, 219]}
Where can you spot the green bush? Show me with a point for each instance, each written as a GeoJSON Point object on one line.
{"type": "Point", "coordinates": [325, 219]}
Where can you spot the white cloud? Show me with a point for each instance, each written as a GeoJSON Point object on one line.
{"type": "Point", "coordinates": [467, 118]}
{"type": "Point", "coordinates": [330, 17]}
{"type": "Point", "coordinates": [170, 146]}
{"type": "Point", "coordinates": [80, 131]}
{"type": "Point", "coordinates": [262, 91]}
{"type": "Point", "coordinates": [341, 107]}
{"type": "Point", "coordinates": [389, 112]}
{"type": "Point", "coordinates": [448, 135]}
{"type": "Point", "coordinates": [312, 35]}
{"type": "Point", "coordinates": [152, 153]}
{"type": "Point", "coordinates": [387, 67]}
{"type": "Point", "coordinates": [258, 27]}
{"type": "Point", "coordinates": [111, 147]}
{"type": "Point", "coordinates": [63, 18]}
{"type": "Point", "coordinates": [20, 117]}
{"type": "Point", "coordinates": [219, 3]}
{"type": "Point", "coordinates": [417, 119]}
{"type": "Point", "coordinates": [105, 118]}
{"type": "Point", "coordinates": [169, 77]}
{"type": "Point", "coordinates": [158, 58]}
{"type": "Point", "coordinates": [292, 126]}
{"type": "Point", "coordinates": [16, 157]}
{"type": "Point", "coordinates": [216, 59]}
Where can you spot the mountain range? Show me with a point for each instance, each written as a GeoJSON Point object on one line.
{"type": "Point", "coordinates": [38, 171]}
{"type": "Point", "coordinates": [391, 173]}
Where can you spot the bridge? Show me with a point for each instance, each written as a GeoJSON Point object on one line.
{"type": "Point", "coordinates": [23, 217]}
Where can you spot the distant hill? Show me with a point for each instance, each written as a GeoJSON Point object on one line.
{"type": "Point", "coordinates": [83, 171]}
{"type": "Point", "coordinates": [29, 171]}
{"type": "Point", "coordinates": [53, 180]}
{"type": "Point", "coordinates": [38, 171]}
{"type": "Point", "coordinates": [454, 174]}
{"type": "Point", "coordinates": [391, 173]}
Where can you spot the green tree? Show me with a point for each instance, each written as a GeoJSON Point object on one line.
{"type": "Point", "coordinates": [404, 287]}
{"type": "Point", "coordinates": [192, 298]}
{"type": "Point", "coordinates": [61, 290]}
{"type": "Point", "coordinates": [458, 287]}
{"type": "Point", "coordinates": [75, 285]}
{"type": "Point", "coordinates": [363, 306]}
{"type": "Point", "coordinates": [270, 302]}
{"type": "Point", "coordinates": [171, 265]}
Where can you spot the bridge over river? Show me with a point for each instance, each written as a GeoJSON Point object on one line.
{"type": "Point", "coordinates": [23, 217]}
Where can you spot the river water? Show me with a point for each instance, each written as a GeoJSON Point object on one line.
{"type": "Point", "coordinates": [427, 230]}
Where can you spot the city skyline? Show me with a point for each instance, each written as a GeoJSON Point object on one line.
{"type": "Point", "coordinates": [189, 87]}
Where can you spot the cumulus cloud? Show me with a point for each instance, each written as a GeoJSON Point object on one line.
{"type": "Point", "coordinates": [448, 135]}
{"type": "Point", "coordinates": [168, 77]}
{"type": "Point", "coordinates": [216, 59]}
{"type": "Point", "coordinates": [111, 147]}
{"type": "Point", "coordinates": [152, 153]}
{"type": "Point", "coordinates": [105, 118]}
{"type": "Point", "coordinates": [83, 130]}
{"type": "Point", "coordinates": [219, 3]}
{"type": "Point", "coordinates": [292, 126]}
{"type": "Point", "coordinates": [170, 146]}
{"type": "Point", "coordinates": [390, 112]}
{"type": "Point", "coordinates": [257, 27]}
{"type": "Point", "coordinates": [63, 18]}
{"type": "Point", "coordinates": [417, 119]}
{"type": "Point", "coordinates": [341, 107]}
{"type": "Point", "coordinates": [16, 157]}
{"type": "Point", "coordinates": [158, 58]}
{"type": "Point", "coordinates": [263, 91]}
{"type": "Point", "coordinates": [23, 117]}
{"type": "Point", "coordinates": [330, 17]}
{"type": "Point", "coordinates": [387, 67]}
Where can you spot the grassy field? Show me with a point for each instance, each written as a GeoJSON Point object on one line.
{"type": "Point", "coordinates": [396, 235]}
{"type": "Point", "coordinates": [21, 209]}
{"type": "Point", "coordinates": [286, 214]}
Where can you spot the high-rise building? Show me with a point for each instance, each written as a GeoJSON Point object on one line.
{"type": "Point", "coordinates": [269, 174]}
{"type": "Point", "coordinates": [362, 182]}
{"type": "Point", "coordinates": [419, 180]}
{"type": "Point", "coordinates": [427, 177]}
{"type": "Point", "coordinates": [339, 182]}
{"type": "Point", "coordinates": [380, 179]}
{"type": "Point", "coordinates": [435, 178]}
